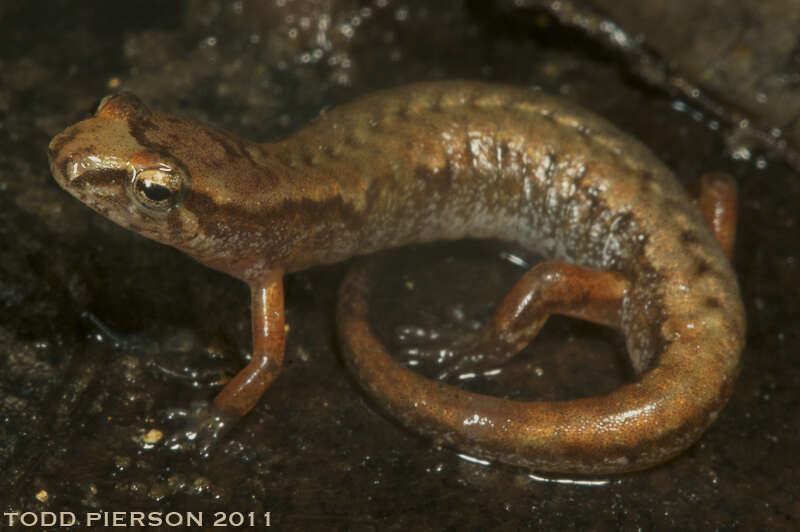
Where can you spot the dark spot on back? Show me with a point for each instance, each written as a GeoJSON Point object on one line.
{"type": "Point", "coordinates": [285, 158]}
{"type": "Point", "coordinates": [470, 158]}
{"type": "Point", "coordinates": [552, 168]}
{"type": "Point", "coordinates": [702, 267]}
{"type": "Point", "coordinates": [505, 151]}
{"type": "Point", "coordinates": [712, 302]}
{"type": "Point", "coordinates": [689, 237]}
{"type": "Point", "coordinates": [351, 141]}
{"type": "Point", "coordinates": [307, 157]}
{"type": "Point", "coordinates": [402, 112]}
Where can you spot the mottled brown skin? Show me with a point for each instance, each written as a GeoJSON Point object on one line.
{"type": "Point", "coordinates": [444, 161]}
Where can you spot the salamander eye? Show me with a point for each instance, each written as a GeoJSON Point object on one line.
{"type": "Point", "coordinates": [157, 188]}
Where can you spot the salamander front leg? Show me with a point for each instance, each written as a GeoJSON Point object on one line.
{"type": "Point", "coordinates": [547, 288]}
{"type": "Point", "coordinates": [242, 393]}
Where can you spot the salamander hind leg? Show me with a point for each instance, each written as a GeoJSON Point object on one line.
{"type": "Point", "coordinates": [547, 288]}
{"type": "Point", "coordinates": [208, 423]}
{"type": "Point", "coordinates": [717, 201]}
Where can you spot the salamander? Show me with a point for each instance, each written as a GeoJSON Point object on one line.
{"type": "Point", "coordinates": [625, 246]}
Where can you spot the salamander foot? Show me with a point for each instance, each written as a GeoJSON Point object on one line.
{"type": "Point", "coordinates": [205, 427]}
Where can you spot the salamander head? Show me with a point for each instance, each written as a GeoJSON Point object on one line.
{"type": "Point", "coordinates": [105, 164]}
{"type": "Point", "coordinates": [171, 179]}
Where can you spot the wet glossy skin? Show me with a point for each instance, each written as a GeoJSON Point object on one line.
{"type": "Point", "coordinates": [445, 161]}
